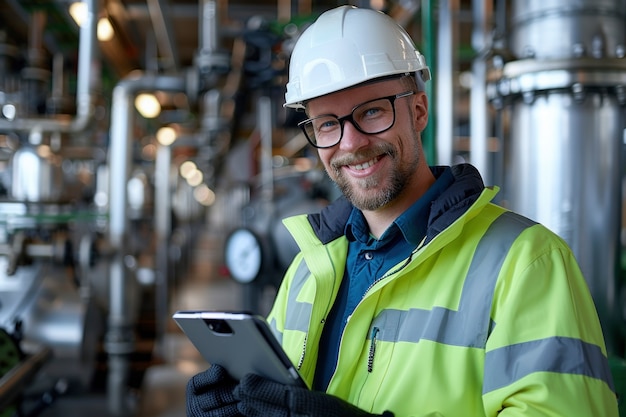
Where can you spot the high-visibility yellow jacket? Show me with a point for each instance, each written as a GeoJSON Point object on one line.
{"type": "Point", "coordinates": [489, 316]}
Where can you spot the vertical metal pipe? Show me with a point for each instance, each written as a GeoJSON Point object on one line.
{"type": "Point", "coordinates": [207, 57]}
{"type": "Point", "coordinates": [163, 228]}
{"type": "Point", "coordinates": [264, 123]}
{"type": "Point", "coordinates": [445, 80]}
{"type": "Point", "coordinates": [208, 27]}
{"type": "Point", "coordinates": [566, 152]}
{"type": "Point", "coordinates": [88, 78]}
{"type": "Point", "coordinates": [429, 50]}
{"type": "Point", "coordinates": [36, 54]}
{"type": "Point", "coordinates": [119, 341]}
{"type": "Point", "coordinates": [58, 76]}
{"type": "Point", "coordinates": [119, 162]}
{"type": "Point", "coordinates": [164, 33]}
{"type": "Point", "coordinates": [479, 117]}
{"type": "Point", "coordinates": [87, 84]}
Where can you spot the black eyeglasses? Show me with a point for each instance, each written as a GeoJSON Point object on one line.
{"type": "Point", "coordinates": [372, 117]}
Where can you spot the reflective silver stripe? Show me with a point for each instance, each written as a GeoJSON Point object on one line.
{"type": "Point", "coordinates": [298, 313]}
{"type": "Point", "coordinates": [470, 325]}
{"type": "Point", "coordinates": [556, 354]}
{"type": "Point", "coordinates": [274, 328]}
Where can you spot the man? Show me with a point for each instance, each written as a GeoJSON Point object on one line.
{"type": "Point", "coordinates": [413, 295]}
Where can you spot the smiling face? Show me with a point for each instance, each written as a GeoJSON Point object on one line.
{"type": "Point", "coordinates": [374, 171]}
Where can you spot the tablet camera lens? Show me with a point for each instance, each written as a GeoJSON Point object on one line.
{"type": "Point", "coordinates": [218, 326]}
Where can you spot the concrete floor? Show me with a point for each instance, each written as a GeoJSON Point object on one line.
{"type": "Point", "coordinates": [163, 392]}
{"type": "Point", "coordinates": [175, 360]}
{"type": "Point", "coordinates": [204, 287]}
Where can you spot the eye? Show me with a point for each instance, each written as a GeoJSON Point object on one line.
{"type": "Point", "coordinates": [371, 111]}
{"type": "Point", "coordinates": [325, 124]}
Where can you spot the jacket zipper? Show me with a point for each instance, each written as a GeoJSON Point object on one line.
{"type": "Point", "coordinates": [370, 358]}
{"type": "Point", "coordinates": [375, 330]}
{"type": "Point", "coordinates": [301, 360]}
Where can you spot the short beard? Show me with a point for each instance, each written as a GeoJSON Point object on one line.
{"type": "Point", "coordinates": [375, 201]}
{"type": "Point", "coordinates": [367, 200]}
{"type": "Point", "coordinates": [398, 180]}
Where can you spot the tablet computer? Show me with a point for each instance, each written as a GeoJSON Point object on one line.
{"type": "Point", "coordinates": [240, 342]}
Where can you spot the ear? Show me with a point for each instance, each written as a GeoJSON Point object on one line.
{"type": "Point", "coordinates": [420, 109]}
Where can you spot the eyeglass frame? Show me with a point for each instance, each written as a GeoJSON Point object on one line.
{"type": "Point", "coordinates": [350, 117]}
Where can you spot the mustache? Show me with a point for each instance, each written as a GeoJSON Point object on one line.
{"type": "Point", "coordinates": [363, 155]}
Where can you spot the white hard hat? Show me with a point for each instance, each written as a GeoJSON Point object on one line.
{"type": "Point", "coordinates": [345, 47]}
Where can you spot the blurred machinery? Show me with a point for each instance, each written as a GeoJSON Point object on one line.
{"type": "Point", "coordinates": [99, 212]}
{"type": "Point", "coordinates": [561, 111]}
{"type": "Point", "coordinates": [80, 287]}
{"type": "Point", "coordinates": [557, 83]}
{"type": "Point", "coordinates": [51, 303]}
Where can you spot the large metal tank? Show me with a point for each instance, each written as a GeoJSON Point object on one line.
{"type": "Point", "coordinates": [52, 312]}
{"type": "Point", "coordinates": [564, 96]}
{"type": "Point", "coordinates": [35, 176]}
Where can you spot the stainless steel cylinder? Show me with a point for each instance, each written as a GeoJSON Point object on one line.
{"type": "Point", "coordinates": [549, 29]}
{"type": "Point", "coordinates": [35, 177]}
{"type": "Point", "coordinates": [566, 119]}
{"type": "Point", "coordinates": [565, 171]}
{"type": "Point", "coordinates": [53, 314]}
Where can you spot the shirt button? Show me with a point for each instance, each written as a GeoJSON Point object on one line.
{"type": "Point", "coordinates": [369, 256]}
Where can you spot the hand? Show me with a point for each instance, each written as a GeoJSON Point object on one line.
{"type": "Point", "coordinates": [210, 394]}
{"type": "Point", "coordinates": [260, 397]}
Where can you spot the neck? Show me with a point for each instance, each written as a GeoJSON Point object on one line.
{"type": "Point", "coordinates": [379, 220]}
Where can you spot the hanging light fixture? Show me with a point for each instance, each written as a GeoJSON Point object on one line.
{"type": "Point", "coordinates": [147, 105]}
{"type": "Point", "coordinates": [166, 135]}
{"type": "Point", "coordinates": [105, 29]}
{"type": "Point", "coordinates": [78, 11]}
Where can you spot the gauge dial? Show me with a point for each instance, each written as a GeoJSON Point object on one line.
{"type": "Point", "coordinates": [243, 255]}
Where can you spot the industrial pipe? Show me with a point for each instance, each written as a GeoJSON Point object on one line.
{"type": "Point", "coordinates": [445, 83]}
{"type": "Point", "coordinates": [13, 383]}
{"type": "Point", "coordinates": [479, 151]}
{"type": "Point", "coordinates": [85, 89]}
{"type": "Point", "coordinates": [119, 340]}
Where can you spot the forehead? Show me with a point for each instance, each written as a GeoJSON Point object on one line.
{"type": "Point", "coordinates": [343, 101]}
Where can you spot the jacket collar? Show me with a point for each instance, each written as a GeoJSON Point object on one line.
{"type": "Point", "coordinates": [329, 224]}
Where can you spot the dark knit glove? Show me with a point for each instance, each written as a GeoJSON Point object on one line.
{"type": "Point", "coordinates": [210, 394]}
{"type": "Point", "coordinates": [260, 397]}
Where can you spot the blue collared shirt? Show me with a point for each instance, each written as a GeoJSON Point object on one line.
{"type": "Point", "coordinates": [369, 259]}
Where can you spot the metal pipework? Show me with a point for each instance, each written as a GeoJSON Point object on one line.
{"type": "Point", "coordinates": [207, 58]}
{"type": "Point", "coordinates": [482, 14]}
{"type": "Point", "coordinates": [445, 95]}
{"type": "Point", "coordinates": [22, 250]}
{"type": "Point", "coordinates": [159, 14]}
{"type": "Point", "coordinates": [119, 341]}
{"type": "Point", "coordinates": [85, 89]}
{"type": "Point", "coordinates": [13, 383]}
{"type": "Point", "coordinates": [563, 151]}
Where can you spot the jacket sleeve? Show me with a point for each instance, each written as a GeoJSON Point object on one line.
{"type": "Point", "coordinates": [276, 316]}
{"type": "Point", "coordinates": [545, 355]}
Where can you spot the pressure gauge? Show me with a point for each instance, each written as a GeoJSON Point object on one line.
{"type": "Point", "coordinates": [243, 254]}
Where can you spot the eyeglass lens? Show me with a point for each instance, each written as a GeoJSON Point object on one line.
{"type": "Point", "coordinates": [371, 117]}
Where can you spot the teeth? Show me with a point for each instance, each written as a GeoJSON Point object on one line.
{"type": "Point", "coordinates": [364, 165]}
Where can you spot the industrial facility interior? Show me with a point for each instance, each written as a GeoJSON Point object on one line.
{"type": "Point", "coordinates": [146, 162]}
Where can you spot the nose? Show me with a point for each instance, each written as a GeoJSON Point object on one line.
{"type": "Point", "coordinates": [352, 138]}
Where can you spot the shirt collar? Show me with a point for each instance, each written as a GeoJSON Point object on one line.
{"type": "Point", "coordinates": [412, 223]}
{"type": "Point", "coordinates": [356, 228]}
